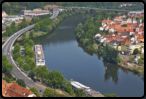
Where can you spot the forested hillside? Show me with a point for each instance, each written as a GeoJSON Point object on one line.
{"type": "Point", "coordinates": [32, 5]}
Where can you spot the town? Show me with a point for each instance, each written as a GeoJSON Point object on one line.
{"type": "Point", "coordinates": [126, 33]}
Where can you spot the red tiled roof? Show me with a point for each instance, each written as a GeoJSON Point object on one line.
{"type": "Point", "coordinates": [117, 36]}
{"type": "Point", "coordinates": [117, 27]}
{"type": "Point", "coordinates": [140, 37]}
{"type": "Point", "coordinates": [125, 40]}
{"type": "Point", "coordinates": [19, 90]}
{"type": "Point", "coordinates": [125, 28]}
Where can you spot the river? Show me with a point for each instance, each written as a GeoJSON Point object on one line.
{"type": "Point", "coordinates": [63, 53]}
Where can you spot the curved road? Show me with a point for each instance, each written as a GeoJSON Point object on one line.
{"type": "Point", "coordinates": [6, 48]}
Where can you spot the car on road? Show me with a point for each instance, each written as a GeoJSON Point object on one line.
{"type": "Point", "coordinates": [8, 53]}
{"type": "Point", "coordinates": [40, 90]}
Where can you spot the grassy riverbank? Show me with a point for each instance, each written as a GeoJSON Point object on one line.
{"type": "Point", "coordinates": [139, 70]}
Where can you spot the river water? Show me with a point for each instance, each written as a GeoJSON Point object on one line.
{"type": "Point", "coordinates": [63, 53]}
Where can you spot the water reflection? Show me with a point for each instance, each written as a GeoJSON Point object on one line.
{"type": "Point", "coordinates": [85, 50]}
{"type": "Point", "coordinates": [111, 71]}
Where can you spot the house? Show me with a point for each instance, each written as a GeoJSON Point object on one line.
{"type": "Point", "coordinates": [98, 35]}
{"type": "Point", "coordinates": [126, 63]}
{"type": "Point", "coordinates": [101, 28]}
{"type": "Point", "coordinates": [111, 29]}
{"type": "Point", "coordinates": [117, 27]}
{"type": "Point", "coordinates": [15, 90]}
{"type": "Point", "coordinates": [37, 9]}
{"type": "Point", "coordinates": [124, 34]}
{"type": "Point", "coordinates": [125, 45]}
{"type": "Point", "coordinates": [140, 39]}
{"type": "Point", "coordinates": [4, 14]}
{"type": "Point", "coordinates": [115, 42]}
{"type": "Point", "coordinates": [129, 20]}
{"type": "Point", "coordinates": [101, 39]}
{"type": "Point", "coordinates": [106, 28]}
{"type": "Point", "coordinates": [132, 31]}
{"type": "Point", "coordinates": [124, 21]}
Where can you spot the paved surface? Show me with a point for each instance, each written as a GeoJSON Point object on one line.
{"type": "Point", "coordinates": [16, 70]}
{"type": "Point", "coordinates": [100, 9]}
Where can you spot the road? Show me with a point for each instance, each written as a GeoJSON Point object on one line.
{"type": "Point", "coordinates": [100, 9]}
{"type": "Point", "coordinates": [6, 48]}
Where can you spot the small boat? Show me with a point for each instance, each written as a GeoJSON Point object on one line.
{"type": "Point", "coordinates": [106, 67]}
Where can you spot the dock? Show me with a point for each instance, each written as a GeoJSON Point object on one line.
{"type": "Point", "coordinates": [89, 92]}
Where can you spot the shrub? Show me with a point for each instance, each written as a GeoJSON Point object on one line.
{"type": "Point", "coordinates": [135, 70]}
{"type": "Point", "coordinates": [136, 51]}
{"type": "Point", "coordinates": [8, 75]}
{"type": "Point", "coordinates": [6, 79]}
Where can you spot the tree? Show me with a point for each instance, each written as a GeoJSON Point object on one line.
{"type": "Point", "coordinates": [55, 78]}
{"type": "Point", "coordinates": [21, 82]}
{"type": "Point", "coordinates": [20, 63]}
{"type": "Point", "coordinates": [136, 51]}
{"type": "Point", "coordinates": [140, 61]}
{"type": "Point", "coordinates": [26, 67]}
{"type": "Point", "coordinates": [50, 93]}
{"type": "Point", "coordinates": [110, 95]}
{"type": "Point", "coordinates": [36, 27]}
{"type": "Point", "coordinates": [30, 42]}
{"type": "Point", "coordinates": [31, 34]}
{"type": "Point", "coordinates": [35, 91]}
{"type": "Point", "coordinates": [124, 25]}
{"type": "Point", "coordinates": [10, 32]}
{"type": "Point", "coordinates": [6, 79]}
{"type": "Point", "coordinates": [49, 28]}
{"type": "Point", "coordinates": [41, 71]}
{"type": "Point", "coordinates": [31, 74]}
{"type": "Point", "coordinates": [80, 93]}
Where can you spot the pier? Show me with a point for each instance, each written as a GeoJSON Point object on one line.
{"type": "Point", "coordinates": [89, 92]}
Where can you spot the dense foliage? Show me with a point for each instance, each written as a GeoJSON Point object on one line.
{"type": "Point", "coordinates": [111, 54]}
{"type": "Point", "coordinates": [136, 51]}
{"type": "Point", "coordinates": [80, 93]}
{"type": "Point", "coordinates": [21, 82]}
{"type": "Point", "coordinates": [6, 66]}
{"type": "Point", "coordinates": [35, 91]}
{"type": "Point", "coordinates": [50, 93]}
{"type": "Point", "coordinates": [6, 6]}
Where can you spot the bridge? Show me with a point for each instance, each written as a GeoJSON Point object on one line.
{"type": "Point", "coordinates": [88, 8]}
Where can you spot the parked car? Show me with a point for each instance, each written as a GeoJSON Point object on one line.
{"type": "Point", "coordinates": [40, 90]}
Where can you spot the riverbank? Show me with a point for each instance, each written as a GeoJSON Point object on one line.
{"type": "Point", "coordinates": [55, 22]}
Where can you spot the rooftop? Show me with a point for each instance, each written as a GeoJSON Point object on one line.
{"type": "Point", "coordinates": [39, 52]}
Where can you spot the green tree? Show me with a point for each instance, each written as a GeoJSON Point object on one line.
{"type": "Point", "coordinates": [32, 64]}
{"type": "Point", "coordinates": [35, 91]}
{"type": "Point", "coordinates": [21, 82]}
{"type": "Point", "coordinates": [36, 27]}
{"type": "Point", "coordinates": [49, 28]}
{"type": "Point", "coordinates": [50, 93]}
{"type": "Point", "coordinates": [110, 95]}
{"type": "Point", "coordinates": [6, 79]}
{"type": "Point", "coordinates": [31, 42]}
{"type": "Point", "coordinates": [140, 61]}
{"type": "Point", "coordinates": [20, 62]}
{"type": "Point", "coordinates": [10, 32]}
{"type": "Point", "coordinates": [31, 34]}
{"type": "Point", "coordinates": [55, 78]}
{"type": "Point", "coordinates": [41, 72]}
{"type": "Point", "coordinates": [80, 93]}
{"type": "Point", "coordinates": [31, 74]}
{"type": "Point", "coordinates": [136, 51]}
{"type": "Point", "coordinates": [26, 67]}
{"type": "Point", "coordinates": [124, 25]}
